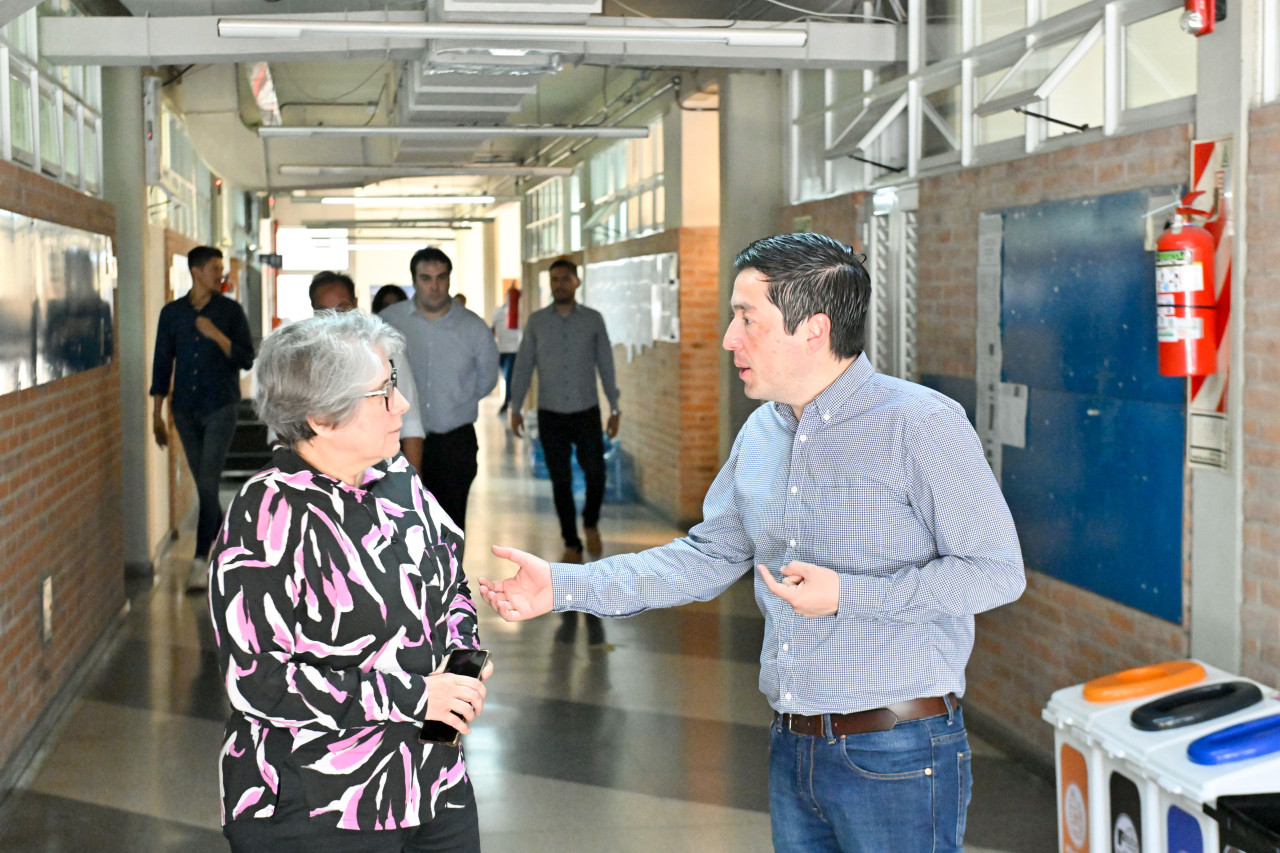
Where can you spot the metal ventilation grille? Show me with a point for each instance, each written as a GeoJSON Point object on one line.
{"type": "Point", "coordinates": [880, 341]}
{"type": "Point", "coordinates": [910, 288]}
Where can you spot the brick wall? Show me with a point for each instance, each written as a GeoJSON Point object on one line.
{"type": "Point", "coordinates": [670, 398]}
{"type": "Point", "coordinates": [60, 450]}
{"type": "Point", "coordinates": [836, 217]}
{"type": "Point", "coordinates": [1260, 615]}
{"type": "Point", "coordinates": [1056, 634]}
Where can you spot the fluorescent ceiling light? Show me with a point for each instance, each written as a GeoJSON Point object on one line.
{"type": "Point", "coordinates": [407, 200]}
{"type": "Point", "coordinates": [485, 132]}
{"type": "Point", "coordinates": [430, 171]}
{"type": "Point", "coordinates": [734, 35]}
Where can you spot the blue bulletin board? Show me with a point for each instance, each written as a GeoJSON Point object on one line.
{"type": "Point", "coordinates": [1097, 493]}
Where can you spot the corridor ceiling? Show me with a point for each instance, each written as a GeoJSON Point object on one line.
{"type": "Point", "coordinates": [344, 81]}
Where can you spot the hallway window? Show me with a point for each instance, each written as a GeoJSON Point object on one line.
{"type": "Point", "coordinates": [50, 107]}
{"type": "Point", "coordinates": [1157, 67]}
{"type": "Point", "coordinates": [625, 183]}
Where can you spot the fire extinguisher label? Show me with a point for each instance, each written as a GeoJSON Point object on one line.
{"type": "Point", "coordinates": [1176, 273]}
{"type": "Point", "coordinates": [1170, 329]}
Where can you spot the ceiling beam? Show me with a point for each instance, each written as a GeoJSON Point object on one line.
{"type": "Point", "coordinates": [184, 40]}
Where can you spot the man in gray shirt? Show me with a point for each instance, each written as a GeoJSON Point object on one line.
{"type": "Point", "coordinates": [455, 364]}
{"type": "Point", "coordinates": [567, 343]}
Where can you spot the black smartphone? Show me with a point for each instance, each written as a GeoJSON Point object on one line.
{"type": "Point", "coordinates": [468, 662]}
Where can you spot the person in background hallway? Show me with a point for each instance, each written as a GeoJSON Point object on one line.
{"type": "Point", "coordinates": [876, 530]}
{"type": "Point", "coordinates": [506, 329]}
{"type": "Point", "coordinates": [202, 344]}
{"type": "Point", "coordinates": [388, 294]}
{"type": "Point", "coordinates": [336, 595]}
{"type": "Point", "coordinates": [456, 364]}
{"type": "Point", "coordinates": [331, 291]}
{"type": "Point", "coordinates": [568, 344]}
{"type": "Point", "coordinates": [461, 299]}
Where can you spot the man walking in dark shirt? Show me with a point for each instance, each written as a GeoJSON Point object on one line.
{"type": "Point", "coordinates": [567, 343]}
{"type": "Point", "coordinates": [202, 344]}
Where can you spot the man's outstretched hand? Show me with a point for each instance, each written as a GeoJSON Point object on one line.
{"type": "Point", "coordinates": [524, 596]}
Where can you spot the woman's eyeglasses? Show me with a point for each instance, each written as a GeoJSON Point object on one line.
{"type": "Point", "coordinates": [387, 390]}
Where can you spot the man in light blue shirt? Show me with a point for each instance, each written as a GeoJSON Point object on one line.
{"type": "Point", "coordinates": [877, 531]}
{"type": "Point", "coordinates": [455, 365]}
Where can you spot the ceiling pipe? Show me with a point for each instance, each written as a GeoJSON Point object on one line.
{"type": "Point", "coordinates": [487, 131]}
{"type": "Point", "coordinates": [388, 172]}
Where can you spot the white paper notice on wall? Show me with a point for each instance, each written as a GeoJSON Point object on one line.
{"type": "Point", "coordinates": [1011, 415]}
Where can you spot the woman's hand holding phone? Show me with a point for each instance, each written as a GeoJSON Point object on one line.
{"type": "Point", "coordinates": [454, 699]}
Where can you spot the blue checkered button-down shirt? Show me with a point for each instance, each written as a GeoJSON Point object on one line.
{"type": "Point", "coordinates": [883, 481]}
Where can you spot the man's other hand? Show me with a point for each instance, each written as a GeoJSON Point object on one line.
{"type": "Point", "coordinates": [206, 327]}
{"type": "Point", "coordinates": [612, 428]}
{"type": "Point", "coordinates": [161, 432]}
{"type": "Point", "coordinates": [517, 424]}
{"type": "Point", "coordinates": [524, 596]}
{"type": "Point", "coordinates": [812, 591]}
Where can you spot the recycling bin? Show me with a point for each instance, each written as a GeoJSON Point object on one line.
{"type": "Point", "coordinates": [1100, 803]}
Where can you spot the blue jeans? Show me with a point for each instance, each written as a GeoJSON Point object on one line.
{"type": "Point", "coordinates": [905, 790]}
{"type": "Point", "coordinates": [206, 440]}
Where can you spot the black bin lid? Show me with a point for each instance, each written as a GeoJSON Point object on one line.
{"type": "Point", "coordinates": [1195, 705]}
{"type": "Point", "coordinates": [1251, 820]}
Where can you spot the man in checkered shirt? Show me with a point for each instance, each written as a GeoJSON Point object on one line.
{"type": "Point", "coordinates": [877, 531]}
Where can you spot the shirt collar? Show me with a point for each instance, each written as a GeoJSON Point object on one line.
{"type": "Point", "coordinates": [827, 405]}
{"type": "Point", "coordinates": [293, 466]}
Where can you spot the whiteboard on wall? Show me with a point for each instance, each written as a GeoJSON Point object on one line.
{"type": "Point", "coordinates": [639, 298]}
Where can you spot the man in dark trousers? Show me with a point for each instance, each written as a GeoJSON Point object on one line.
{"type": "Point", "coordinates": [567, 343]}
{"type": "Point", "coordinates": [202, 344]}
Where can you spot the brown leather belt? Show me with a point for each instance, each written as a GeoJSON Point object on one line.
{"type": "Point", "coordinates": [875, 720]}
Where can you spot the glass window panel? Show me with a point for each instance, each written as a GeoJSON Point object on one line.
{"type": "Point", "coordinates": [50, 125]}
{"type": "Point", "coordinates": [942, 29]}
{"type": "Point", "coordinates": [660, 207]}
{"type": "Point", "coordinates": [645, 169]}
{"type": "Point", "coordinates": [1157, 65]}
{"type": "Point", "coordinates": [93, 87]}
{"type": "Point", "coordinates": [71, 146]}
{"type": "Point", "coordinates": [998, 127]}
{"type": "Point", "coordinates": [1037, 67]}
{"type": "Point", "coordinates": [21, 126]}
{"type": "Point", "coordinates": [633, 214]}
{"type": "Point", "coordinates": [1077, 98]}
{"type": "Point", "coordinates": [867, 119]}
{"type": "Point", "coordinates": [1057, 7]}
{"type": "Point", "coordinates": [18, 33]}
{"type": "Point", "coordinates": [892, 71]}
{"type": "Point", "coordinates": [810, 160]}
{"type": "Point", "coordinates": [655, 136]}
{"type": "Point", "coordinates": [844, 86]}
{"type": "Point", "coordinates": [646, 210]}
{"type": "Point", "coordinates": [575, 233]}
{"type": "Point", "coordinates": [91, 176]}
{"type": "Point", "coordinates": [998, 18]}
{"type": "Point", "coordinates": [946, 106]}
{"type": "Point", "coordinates": [810, 93]}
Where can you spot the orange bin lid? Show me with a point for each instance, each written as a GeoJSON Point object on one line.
{"type": "Point", "coordinates": [1144, 681]}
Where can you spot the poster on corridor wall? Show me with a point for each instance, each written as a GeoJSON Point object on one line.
{"type": "Point", "coordinates": [639, 298]}
{"type": "Point", "coordinates": [55, 301]}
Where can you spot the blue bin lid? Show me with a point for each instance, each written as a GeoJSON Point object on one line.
{"type": "Point", "coordinates": [1240, 742]}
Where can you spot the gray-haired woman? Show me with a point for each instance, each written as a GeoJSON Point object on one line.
{"type": "Point", "coordinates": [336, 594]}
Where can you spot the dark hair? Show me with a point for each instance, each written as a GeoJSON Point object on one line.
{"type": "Point", "coordinates": [328, 277]}
{"type": "Point", "coordinates": [201, 255]}
{"type": "Point", "coordinates": [388, 294]}
{"type": "Point", "coordinates": [813, 274]}
{"type": "Point", "coordinates": [431, 253]}
{"type": "Point", "coordinates": [564, 263]}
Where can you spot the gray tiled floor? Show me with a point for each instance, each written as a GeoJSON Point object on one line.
{"type": "Point", "coordinates": [653, 742]}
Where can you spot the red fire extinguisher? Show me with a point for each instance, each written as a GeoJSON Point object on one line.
{"type": "Point", "coordinates": [1186, 305]}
